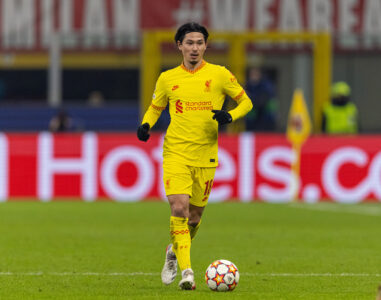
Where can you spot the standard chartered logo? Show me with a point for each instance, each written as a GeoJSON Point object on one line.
{"type": "Point", "coordinates": [192, 106]}
{"type": "Point", "coordinates": [198, 105]}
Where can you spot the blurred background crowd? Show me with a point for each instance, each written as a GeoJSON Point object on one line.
{"type": "Point", "coordinates": [76, 65]}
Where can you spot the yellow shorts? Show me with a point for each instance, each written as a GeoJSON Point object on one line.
{"type": "Point", "coordinates": [194, 181]}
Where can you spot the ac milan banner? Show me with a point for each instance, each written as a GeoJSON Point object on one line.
{"type": "Point", "coordinates": [28, 24]}
{"type": "Point", "coordinates": [92, 167]}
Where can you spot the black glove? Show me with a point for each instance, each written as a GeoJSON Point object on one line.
{"type": "Point", "coordinates": [222, 117]}
{"type": "Point", "coordinates": [142, 133]}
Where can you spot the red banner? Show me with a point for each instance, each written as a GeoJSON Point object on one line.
{"type": "Point", "coordinates": [28, 24]}
{"type": "Point", "coordinates": [118, 167]}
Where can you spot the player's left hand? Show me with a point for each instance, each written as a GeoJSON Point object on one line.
{"type": "Point", "coordinates": [142, 132]}
{"type": "Point", "coordinates": [222, 117]}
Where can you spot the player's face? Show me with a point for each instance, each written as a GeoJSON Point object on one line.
{"type": "Point", "coordinates": [193, 47]}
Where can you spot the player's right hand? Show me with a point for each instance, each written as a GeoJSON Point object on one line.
{"type": "Point", "coordinates": [142, 133]}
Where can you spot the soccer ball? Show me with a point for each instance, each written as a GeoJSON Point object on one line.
{"type": "Point", "coordinates": [222, 276]}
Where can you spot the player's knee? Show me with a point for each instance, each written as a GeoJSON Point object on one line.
{"type": "Point", "coordinates": [179, 210]}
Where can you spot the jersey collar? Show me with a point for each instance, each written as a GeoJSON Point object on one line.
{"type": "Point", "coordinates": [203, 63]}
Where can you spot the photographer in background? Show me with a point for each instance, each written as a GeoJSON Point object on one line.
{"type": "Point", "coordinates": [262, 91]}
{"type": "Point", "coordinates": [61, 122]}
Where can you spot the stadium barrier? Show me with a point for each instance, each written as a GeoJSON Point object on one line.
{"type": "Point", "coordinates": [37, 118]}
{"type": "Point", "coordinates": [94, 166]}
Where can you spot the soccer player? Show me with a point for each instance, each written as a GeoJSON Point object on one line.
{"type": "Point", "coordinates": [195, 92]}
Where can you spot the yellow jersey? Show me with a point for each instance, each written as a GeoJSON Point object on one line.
{"type": "Point", "coordinates": [191, 136]}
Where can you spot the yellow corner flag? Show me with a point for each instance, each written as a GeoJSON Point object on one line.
{"type": "Point", "coordinates": [298, 130]}
{"type": "Point", "coordinates": [299, 122]}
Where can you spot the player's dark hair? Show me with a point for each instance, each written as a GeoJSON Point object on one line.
{"type": "Point", "coordinates": [190, 27]}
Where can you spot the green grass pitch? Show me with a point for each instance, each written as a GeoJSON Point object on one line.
{"type": "Point", "coordinates": [71, 250]}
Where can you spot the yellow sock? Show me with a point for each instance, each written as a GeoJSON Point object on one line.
{"type": "Point", "coordinates": [181, 241]}
{"type": "Point", "coordinates": [193, 230]}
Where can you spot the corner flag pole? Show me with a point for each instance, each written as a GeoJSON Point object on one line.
{"type": "Point", "coordinates": [298, 130]}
